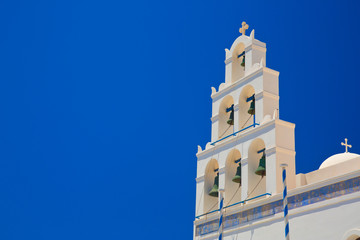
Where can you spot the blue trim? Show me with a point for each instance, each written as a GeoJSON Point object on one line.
{"type": "Point", "coordinates": [240, 55]}
{"type": "Point", "coordinates": [306, 198]}
{"type": "Point", "coordinates": [248, 200]}
{"type": "Point", "coordinates": [236, 161]}
{"type": "Point", "coordinates": [262, 150]}
{"type": "Point", "coordinates": [234, 134]}
{"type": "Point", "coordinates": [234, 204]}
{"type": "Point", "coordinates": [206, 213]}
{"type": "Point", "coordinates": [250, 98]}
{"type": "Point", "coordinates": [216, 170]}
{"type": "Point", "coordinates": [230, 108]}
{"type": "Point", "coordinates": [284, 174]}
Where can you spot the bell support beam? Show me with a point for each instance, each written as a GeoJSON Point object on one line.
{"type": "Point", "coordinates": [250, 98]}
{"type": "Point", "coordinates": [230, 108]}
{"type": "Point", "coordinates": [262, 150]}
{"type": "Point", "coordinates": [241, 54]}
{"type": "Point", "coordinates": [234, 134]}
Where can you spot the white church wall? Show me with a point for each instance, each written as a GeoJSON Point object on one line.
{"type": "Point", "coordinates": [271, 81]}
{"type": "Point", "coordinates": [200, 187]}
{"type": "Point", "coordinates": [325, 210]}
{"type": "Point", "coordinates": [300, 180]}
{"type": "Point", "coordinates": [258, 53]}
{"type": "Point", "coordinates": [316, 222]}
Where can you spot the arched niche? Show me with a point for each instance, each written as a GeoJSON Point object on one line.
{"type": "Point", "coordinates": [232, 189]}
{"type": "Point", "coordinates": [225, 128]}
{"type": "Point", "coordinates": [353, 234]}
{"type": "Point", "coordinates": [238, 71]}
{"type": "Point", "coordinates": [210, 203]}
{"type": "Point", "coordinates": [245, 119]}
{"type": "Point", "coordinates": [257, 183]}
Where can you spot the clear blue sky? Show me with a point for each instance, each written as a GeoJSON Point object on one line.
{"type": "Point", "coordinates": [103, 104]}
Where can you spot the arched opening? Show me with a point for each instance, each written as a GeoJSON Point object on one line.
{"type": "Point", "coordinates": [225, 112]}
{"type": "Point", "coordinates": [353, 234]}
{"type": "Point", "coordinates": [232, 180]}
{"type": "Point", "coordinates": [353, 237]}
{"type": "Point", "coordinates": [246, 107]}
{"type": "Point", "coordinates": [211, 171]}
{"type": "Point", "coordinates": [256, 168]}
{"type": "Point", "coordinates": [238, 62]}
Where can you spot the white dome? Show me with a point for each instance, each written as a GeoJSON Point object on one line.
{"type": "Point", "coordinates": [338, 158]}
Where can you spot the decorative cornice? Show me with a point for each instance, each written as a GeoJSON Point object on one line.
{"type": "Point", "coordinates": [244, 161]}
{"type": "Point", "coordinates": [227, 61]}
{"type": "Point", "coordinates": [259, 48]}
{"type": "Point", "coordinates": [271, 71]}
{"type": "Point", "coordinates": [269, 95]}
{"type": "Point", "coordinates": [284, 123]}
{"type": "Point", "coordinates": [236, 84]}
{"type": "Point", "coordinates": [243, 80]}
{"type": "Point", "coordinates": [230, 140]}
{"type": "Point", "coordinates": [219, 147]}
{"type": "Point", "coordinates": [200, 179]}
{"type": "Point", "coordinates": [214, 118]}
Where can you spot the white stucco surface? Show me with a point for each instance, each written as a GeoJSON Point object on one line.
{"type": "Point", "coordinates": [323, 204]}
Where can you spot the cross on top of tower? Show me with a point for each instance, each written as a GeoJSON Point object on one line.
{"type": "Point", "coordinates": [346, 145]}
{"type": "Point", "coordinates": [243, 28]}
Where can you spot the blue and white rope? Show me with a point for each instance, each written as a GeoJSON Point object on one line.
{"type": "Point", "coordinates": [221, 225]}
{"type": "Point", "coordinates": [285, 205]}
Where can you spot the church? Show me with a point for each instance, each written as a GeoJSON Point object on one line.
{"type": "Point", "coordinates": [247, 187]}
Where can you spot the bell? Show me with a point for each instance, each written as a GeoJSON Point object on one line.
{"type": "Point", "coordinates": [215, 189]}
{"type": "Point", "coordinates": [231, 118]}
{"type": "Point", "coordinates": [251, 110]}
{"type": "Point", "coordinates": [261, 170]}
{"type": "Point", "coordinates": [243, 62]}
{"type": "Point", "coordinates": [237, 177]}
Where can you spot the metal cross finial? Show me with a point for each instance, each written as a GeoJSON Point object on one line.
{"type": "Point", "coordinates": [243, 28]}
{"type": "Point", "coordinates": [346, 145]}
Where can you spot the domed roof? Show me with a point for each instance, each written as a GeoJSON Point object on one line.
{"type": "Point", "coordinates": [338, 158]}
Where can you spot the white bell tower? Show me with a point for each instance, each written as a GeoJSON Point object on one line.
{"type": "Point", "coordinates": [245, 129]}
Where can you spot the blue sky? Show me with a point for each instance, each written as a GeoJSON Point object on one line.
{"type": "Point", "coordinates": [103, 104]}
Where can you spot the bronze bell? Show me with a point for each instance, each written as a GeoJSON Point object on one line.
{"type": "Point", "coordinates": [261, 170]}
{"type": "Point", "coordinates": [215, 189]}
{"type": "Point", "coordinates": [231, 118]}
{"type": "Point", "coordinates": [243, 62]}
{"type": "Point", "coordinates": [251, 110]}
{"type": "Point", "coordinates": [237, 177]}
